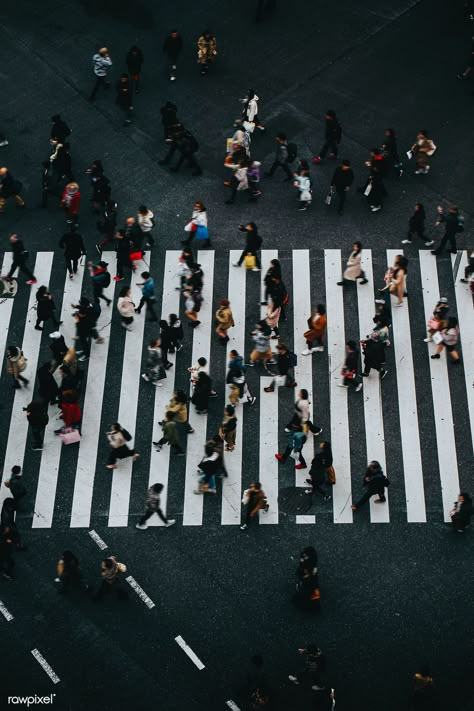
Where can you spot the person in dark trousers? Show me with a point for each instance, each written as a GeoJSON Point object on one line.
{"type": "Point", "coordinates": [282, 158]}
{"type": "Point", "coordinates": [153, 507]}
{"type": "Point", "coordinates": [315, 665]}
{"type": "Point", "coordinates": [169, 119]}
{"type": "Point", "coordinates": [16, 486]}
{"type": "Point", "coordinates": [7, 520]}
{"type": "Point", "coordinates": [48, 388]}
{"type": "Point", "coordinates": [390, 151]}
{"type": "Point", "coordinates": [332, 137]}
{"type": "Point", "coordinates": [101, 63]}
{"type": "Point", "coordinates": [176, 333]}
{"type": "Point", "coordinates": [101, 190]}
{"type": "Point", "coordinates": [7, 564]}
{"type": "Point", "coordinates": [374, 482]}
{"type": "Point", "coordinates": [110, 572]}
{"type": "Point", "coordinates": [461, 512]}
{"type": "Point", "coordinates": [253, 243]}
{"type": "Point", "coordinates": [423, 691]}
{"type": "Point", "coordinates": [9, 187]}
{"type": "Point", "coordinates": [48, 185]}
{"type": "Point", "coordinates": [122, 249]}
{"type": "Point", "coordinates": [255, 501]}
{"type": "Point", "coordinates": [317, 474]}
{"type": "Point", "coordinates": [170, 436]}
{"type": "Point", "coordinates": [284, 365]}
{"type": "Point", "coordinates": [20, 256]}
{"type": "Point", "coordinates": [172, 47]}
{"type": "Point", "coordinates": [118, 437]}
{"type": "Point", "coordinates": [69, 574]}
{"type": "Point", "coordinates": [167, 344]}
{"type": "Point", "coordinates": [376, 188]}
{"type": "Point", "coordinates": [453, 223]}
{"type": "Point", "coordinates": [351, 364]}
{"type": "Point", "coordinates": [60, 131]}
{"type": "Point", "coordinates": [107, 224]}
{"type": "Point", "coordinates": [37, 416]}
{"type": "Point", "coordinates": [273, 272]}
{"type": "Point", "coordinates": [45, 308]}
{"type": "Point", "coordinates": [187, 146]}
{"type": "Point", "coordinates": [134, 61]}
{"type": "Point", "coordinates": [468, 269]}
{"type": "Point", "coordinates": [125, 98]}
{"type": "Point", "coordinates": [202, 392]}
{"type": "Point", "coordinates": [341, 182]}
{"type": "Point", "coordinates": [101, 279]}
{"type": "Point", "coordinates": [416, 224]}
{"type": "Point", "coordinates": [374, 356]}
{"type": "Point", "coordinates": [148, 296]}
{"type": "Point", "coordinates": [58, 349]}
{"type": "Point", "coordinates": [73, 245]}
{"type": "Point", "coordinates": [61, 162]}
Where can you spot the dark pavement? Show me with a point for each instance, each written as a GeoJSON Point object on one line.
{"type": "Point", "coordinates": [393, 596]}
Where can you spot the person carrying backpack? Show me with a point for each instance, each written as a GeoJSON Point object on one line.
{"type": "Point", "coordinates": [286, 361]}
{"type": "Point", "coordinates": [285, 154]}
{"type": "Point", "coordinates": [100, 280]}
{"type": "Point", "coordinates": [332, 137]}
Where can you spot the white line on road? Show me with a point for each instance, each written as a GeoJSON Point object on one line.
{"type": "Point", "coordinates": [7, 615]}
{"type": "Point", "coordinates": [140, 592]}
{"type": "Point", "coordinates": [47, 668]}
{"type": "Point", "coordinates": [97, 539]}
{"type": "Point", "coordinates": [187, 650]}
{"type": "Point", "coordinates": [232, 705]}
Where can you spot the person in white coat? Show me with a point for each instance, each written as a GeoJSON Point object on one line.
{"type": "Point", "coordinates": [198, 222]}
{"type": "Point", "coordinates": [146, 220]}
{"type": "Point", "coordinates": [303, 183]}
{"type": "Point", "coordinates": [126, 308]}
{"type": "Point", "coordinates": [353, 270]}
{"type": "Point", "coordinates": [250, 111]}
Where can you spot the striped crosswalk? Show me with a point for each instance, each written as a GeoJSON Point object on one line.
{"type": "Point", "coordinates": [427, 493]}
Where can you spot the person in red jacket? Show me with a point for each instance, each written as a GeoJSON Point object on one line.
{"type": "Point", "coordinates": [70, 410]}
{"type": "Point", "coordinates": [71, 201]}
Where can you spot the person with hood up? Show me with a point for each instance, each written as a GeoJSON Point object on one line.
{"type": "Point", "coordinates": [134, 61]}
{"type": "Point", "coordinates": [207, 51]}
{"type": "Point", "coordinates": [341, 182]}
{"type": "Point", "coordinates": [332, 137]}
{"type": "Point", "coordinates": [154, 367]}
{"type": "Point", "coordinates": [71, 202]}
{"type": "Point", "coordinates": [172, 47]}
{"type": "Point", "coordinates": [101, 61]}
{"type": "Point", "coordinates": [375, 482]}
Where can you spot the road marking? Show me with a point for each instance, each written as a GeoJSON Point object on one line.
{"type": "Point", "coordinates": [7, 615]}
{"type": "Point", "coordinates": [140, 592]}
{"type": "Point", "coordinates": [127, 415]}
{"type": "Point", "coordinates": [160, 461]}
{"type": "Point", "coordinates": [268, 444]}
{"type": "Point", "coordinates": [30, 345]}
{"type": "Point", "coordinates": [304, 370]}
{"type": "Point", "coordinates": [42, 661]}
{"type": "Point", "coordinates": [408, 412]}
{"type": "Point", "coordinates": [466, 325]}
{"type": "Point", "coordinates": [194, 503]}
{"type": "Point", "coordinates": [51, 455]}
{"type": "Point", "coordinates": [372, 390]}
{"type": "Point", "coordinates": [232, 484]}
{"type": "Point", "coordinates": [442, 410]}
{"type": "Point", "coordinates": [91, 416]}
{"type": "Point", "coordinates": [232, 705]}
{"type": "Point", "coordinates": [97, 539]}
{"type": "Point", "coordinates": [342, 489]}
{"type": "Point", "coordinates": [187, 649]}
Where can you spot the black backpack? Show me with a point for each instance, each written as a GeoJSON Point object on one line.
{"type": "Point", "coordinates": [292, 152]}
{"type": "Point", "coordinates": [106, 280]}
{"type": "Point", "coordinates": [293, 359]}
{"type": "Point", "coordinates": [126, 435]}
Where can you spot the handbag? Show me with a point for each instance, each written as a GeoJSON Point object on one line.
{"type": "Point", "coordinates": [190, 227]}
{"type": "Point", "coordinates": [21, 362]}
{"type": "Point", "coordinates": [331, 474]}
{"type": "Point", "coordinates": [368, 190]}
{"type": "Point", "coordinates": [434, 324]}
{"type": "Point", "coordinates": [246, 497]}
{"type": "Point", "coordinates": [70, 435]}
{"type": "Point", "coordinates": [437, 337]}
{"type": "Point", "coordinates": [329, 196]}
{"type": "Point", "coordinates": [250, 261]}
{"type": "Point", "coordinates": [202, 232]}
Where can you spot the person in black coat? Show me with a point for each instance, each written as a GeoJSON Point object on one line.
{"type": "Point", "coordinates": [274, 270]}
{"type": "Point", "coordinates": [453, 223]}
{"type": "Point", "coordinates": [416, 224]}
{"type": "Point", "coordinates": [124, 97]}
{"type": "Point", "coordinates": [45, 308]}
{"type": "Point", "coordinates": [73, 245]}
{"type": "Point", "coordinates": [60, 131]}
{"type": "Point", "coordinates": [351, 364]}
{"type": "Point", "coordinates": [166, 338]}
{"type": "Point", "coordinates": [37, 416]}
{"type": "Point", "coordinates": [375, 482]}
{"type": "Point", "coordinates": [341, 182]}
{"type": "Point", "coordinates": [390, 151]}
{"type": "Point", "coordinates": [374, 356]}
{"type": "Point", "coordinates": [317, 472]}
{"type": "Point", "coordinates": [20, 255]}
{"type": "Point", "coordinates": [123, 248]}
{"type": "Point", "coordinates": [462, 512]}
{"type": "Point", "coordinates": [169, 118]}
{"type": "Point", "coordinates": [332, 137]}
{"type": "Point", "coordinates": [377, 192]}
{"type": "Point", "coordinates": [48, 388]}
{"type": "Point", "coordinates": [58, 348]}
{"type": "Point", "coordinates": [16, 486]}
{"type": "Point", "coordinates": [172, 47]}
{"type": "Point", "coordinates": [9, 187]}
{"type": "Point", "coordinates": [283, 368]}
{"type": "Point", "coordinates": [202, 391]}
{"type": "Point", "coordinates": [253, 243]}
{"type": "Point", "coordinates": [134, 65]}
{"type": "Point", "coordinates": [62, 163]}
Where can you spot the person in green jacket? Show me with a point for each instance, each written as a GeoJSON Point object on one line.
{"type": "Point", "coordinates": [170, 435]}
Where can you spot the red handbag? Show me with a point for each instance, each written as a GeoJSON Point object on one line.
{"type": "Point", "coordinates": [135, 256]}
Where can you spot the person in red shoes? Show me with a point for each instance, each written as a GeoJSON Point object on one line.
{"type": "Point", "coordinates": [71, 202]}
{"type": "Point", "coordinates": [296, 441]}
{"type": "Point", "coordinates": [332, 137]}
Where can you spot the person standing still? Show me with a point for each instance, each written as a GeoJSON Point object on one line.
{"type": "Point", "coordinates": [101, 61]}
{"type": "Point", "coordinates": [341, 182]}
{"type": "Point", "coordinates": [134, 65]}
{"type": "Point", "coordinates": [152, 507]}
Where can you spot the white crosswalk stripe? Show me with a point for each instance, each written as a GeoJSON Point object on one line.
{"type": "Point", "coordinates": [266, 425]}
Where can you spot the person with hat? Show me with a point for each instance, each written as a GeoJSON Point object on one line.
{"type": "Point", "coordinates": [224, 320]}
{"type": "Point", "coordinates": [332, 137]}
{"type": "Point", "coordinates": [71, 201]}
{"type": "Point", "coordinates": [101, 61]}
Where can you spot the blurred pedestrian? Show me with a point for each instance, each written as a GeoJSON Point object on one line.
{"type": "Point", "coordinates": [317, 324]}
{"type": "Point", "coordinates": [303, 183]}
{"type": "Point", "coordinates": [283, 157]}
{"type": "Point", "coordinates": [118, 437]}
{"type": "Point", "coordinates": [124, 98]}
{"type": "Point", "coordinates": [73, 245]}
{"type": "Point", "coordinates": [422, 149]}
{"type": "Point", "coordinates": [350, 367]}
{"type": "Point", "coordinates": [390, 151]}
{"type": "Point", "coordinates": [134, 61]}
{"type": "Point", "coordinates": [375, 483]}
{"type": "Point", "coordinates": [7, 564]}
{"type": "Point", "coordinates": [294, 448]}
{"type": "Point", "coordinates": [262, 351]}
{"type": "Point", "coordinates": [69, 574]}
{"type": "Point", "coordinates": [207, 51]}
{"type": "Point", "coordinates": [332, 137]}
{"type": "Point", "coordinates": [448, 338]}
{"type": "Point", "coordinates": [341, 183]}
{"type": "Point", "coordinates": [146, 221]}
{"type": "Point", "coordinates": [416, 224]}
{"type": "Point", "coordinates": [20, 257]}
{"type": "Point", "coordinates": [254, 500]}
{"type": "Point", "coordinates": [170, 434]}
{"type": "Point", "coordinates": [374, 356]}
{"type": "Point", "coordinates": [71, 202]}
{"type": "Point", "coordinates": [37, 416]}
{"type": "Point", "coordinates": [315, 666]}
{"type": "Point", "coordinates": [285, 362]}
{"type": "Point", "coordinates": [438, 320]}
{"type": "Point", "coordinates": [61, 161]}
{"type": "Point", "coordinates": [101, 61]}
{"type": "Point", "coordinates": [322, 461]}
{"type": "Point", "coordinates": [202, 393]}
{"type": "Point", "coordinates": [353, 270]}
{"type": "Point", "coordinates": [224, 320]}
{"type": "Point", "coordinates": [123, 248]}
{"type": "Point", "coordinates": [169, 119]}
{"type": "Point", "coordinates": [16, 365]}
{"type": "Point", "coordinates": [179, 408]}
{"type": "Point", "coordinates": [155, 370]}
{"type": "Point", "coordinates": [176, 333]}
{"type": "Point", "coordinates": [153, 507]}
{"type": "Point", "coordinates": [47, 385]}
{"type": "Point", "coordinates": [453, 223]}
{"type": "Point", "coordinates": [461, 512]}
{"type": "Point", "coordinates": [172, 47]}
{"type": "Point", "coordinates": [9, 187]}
{"type": "Point", "coordinates": [423, 692]}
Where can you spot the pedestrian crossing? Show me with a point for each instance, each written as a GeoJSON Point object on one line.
{"type": "Point", "coordinates": [267, 420]}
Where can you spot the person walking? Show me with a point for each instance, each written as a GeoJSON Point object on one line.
{"type": "Point", "coordinates": [285, 362]}
{"type": "Point", "coordinates": [148, 296]}
{"type": "Point", "coordinates": [468, 271]}
{"type": "Point", "coordinates": [235, 378]}
{"type": "Point", "coordinates": [423, 690]}
{"type": "Point", "coordinates": [146, 221]}
{"type": "Point", "coordinates": [294, 448]}
{"type": "Point", "coordinates": [453, 223]}
{"type": "Point", "coordinates": [438, 320]}
{"type": "Point", "coordinates": [176, 333]}
{"type": "Point", "coordinates": [461, 512]}
{"type": "Point", "coordinates": [341, 183]}
{"type": "Point", "coordinates": [239, 180]}
{"type": "Point", "coordinates": [123, 248]}
{"type": "Point", "coordinates": [202, 392]}
{"type": "Point", "coordinates": [118, 437]}
{"type": "Point", "coordinates": [70, 411]}
{"type": "Point", "coordinates": [272, 318]}
{"type": "Point", "coordinates": [374, 482]}
{"type": "Point", "coordinates": [101, 279]}
{"type": "Point", "coordinates": [375, 191]}
{"type": "Point", "coordinates": [207, 470]}
{"type": "Point", "coordinates": [134, 61]}
{"type": "Point", "coordinates": [254, 500]}
{"type": "Point", "coordinates": [262, 351]}
{"type": "Point", "coordinates": [250, 112]}
{"type": "Point", "coordinates": [124, 98]}
{"type": "Point", "coordinates": [73, 245]}
{"type": "Point", "coordinates": [390, 151]}
{"type": "Point", "coordinates": [37, 416]}
{"type": "Point", "coordinates": [322, 462]}
{"type": "Point", "coordinates": [423, 149]}
{"type": "Point", "coordinates": [126, 308]}
{"type": "Point", "coordinates": [155, 370]}
{"type": "Point", "coordinates": [153, 506]}
{"type": "Point", "coordinates": [101, 189]}
{"type": "Point", "coordinates": [350, 367]}
{"type": "Point", "coordinates": [449, 338]}
{"type": "Point", "coordinates": [315, 666]}
{"type": "Point", "coordinates": [71, 202]}
{"type": "Point", "coordinates": [179, 409]}
{"type": "Point", "coordinates": [170, 434]}
{"type": "Point", "coordinates": [317, 324]}
{"type": "Point", "coordinates": [207, 51]}
{"type": "Point", "coordinates": [60, 131]}
{"type": "Point", "coordinates": [16, 486]}
{"type": "Point", "coordinates": [169, 119]}
{"type": "Point", "coordinates": [69, 575]}
{"type": "Point", "coordinates": [45, 308]}
{"type": "Point", "coordinates": [107, 225]}
{"type": "Point", "coordinates": [465, 74]}
{"type": "Point", "coordinates": [16, 365]}
{"type": "Point", "coordinates": [353, 270]}
{"type": "Point", "coordinates": [172, 47]}
{"type": "Point", "coordinates": [7, 563]}
{"type": "Point", "coordinates": [273, 272]}
{"type": "Point", "coordinates": [283, 158]}
{"type": "Point", "coordinates": [101, 63]}
{"type": "Point", "coordinates": [192, 306]}
{"type": "Point", "coordinates": [395, 281]}
{"type": "Point", "coordinates": [20, 257]}
{"type": "Point", "coordinates": [416, 224]}
{"type": "Point", "coordinates": [302, 182]}
{"type": "Point", "coordinates": [166, 339]}
{"type": "Point", "coordinates": [58, 349]}
{"type": "Point", "coordinates": [198, 221]}
{"type": "Point", "coordinates": [228, 428]}
{"type": "Point", "coordinates": [61, 161]}
{"type": "Point", "coordinates": [47, 385]}
{"type": "Point", "coordinates": [301, 414]}
{"type": "Point", "coordinates": [253, 243]}
{"type": "Point", "coordinates": [9, 187]}
{"type": "Point", "coordinates": [110, 571]}
{"type": "Point", "coordinates": [374, 356]}
{"type": "Point", "coordinates": [185, 143]}
{"type": "Point", "coordinates": [332, 137]}
{"type": "Point", "coordinates": [224, 321]}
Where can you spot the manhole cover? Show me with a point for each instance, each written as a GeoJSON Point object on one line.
{"type": "Point", "coordinates": [294, 501]}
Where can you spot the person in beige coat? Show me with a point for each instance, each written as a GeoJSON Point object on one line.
{"type": "Point", "coordinates": [353, 269]}
{"type": "Point", "coordinates": [395, 281]}
{"type": "Point", "coordinates": [224, 320]}
{"type": "Point", "coordinates": [423, 149]}
{"type": "Point", "coordinates": [16, 364]}
{"type": "Point", "coordinates": [126, 308]}
{"type": "Point", "coordinates": [272, 318]}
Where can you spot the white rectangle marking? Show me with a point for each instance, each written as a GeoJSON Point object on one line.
{"type": "Point", "coordinates": [7, 615]}
{"type": "Point", "coordinates": [47, 668]}
{"type": "Point", "coordinates": [97, 539]}
{"type": "Point", "coordinates": [187, 650]}
{"type": "Point", "coordinates": [140, 592]}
